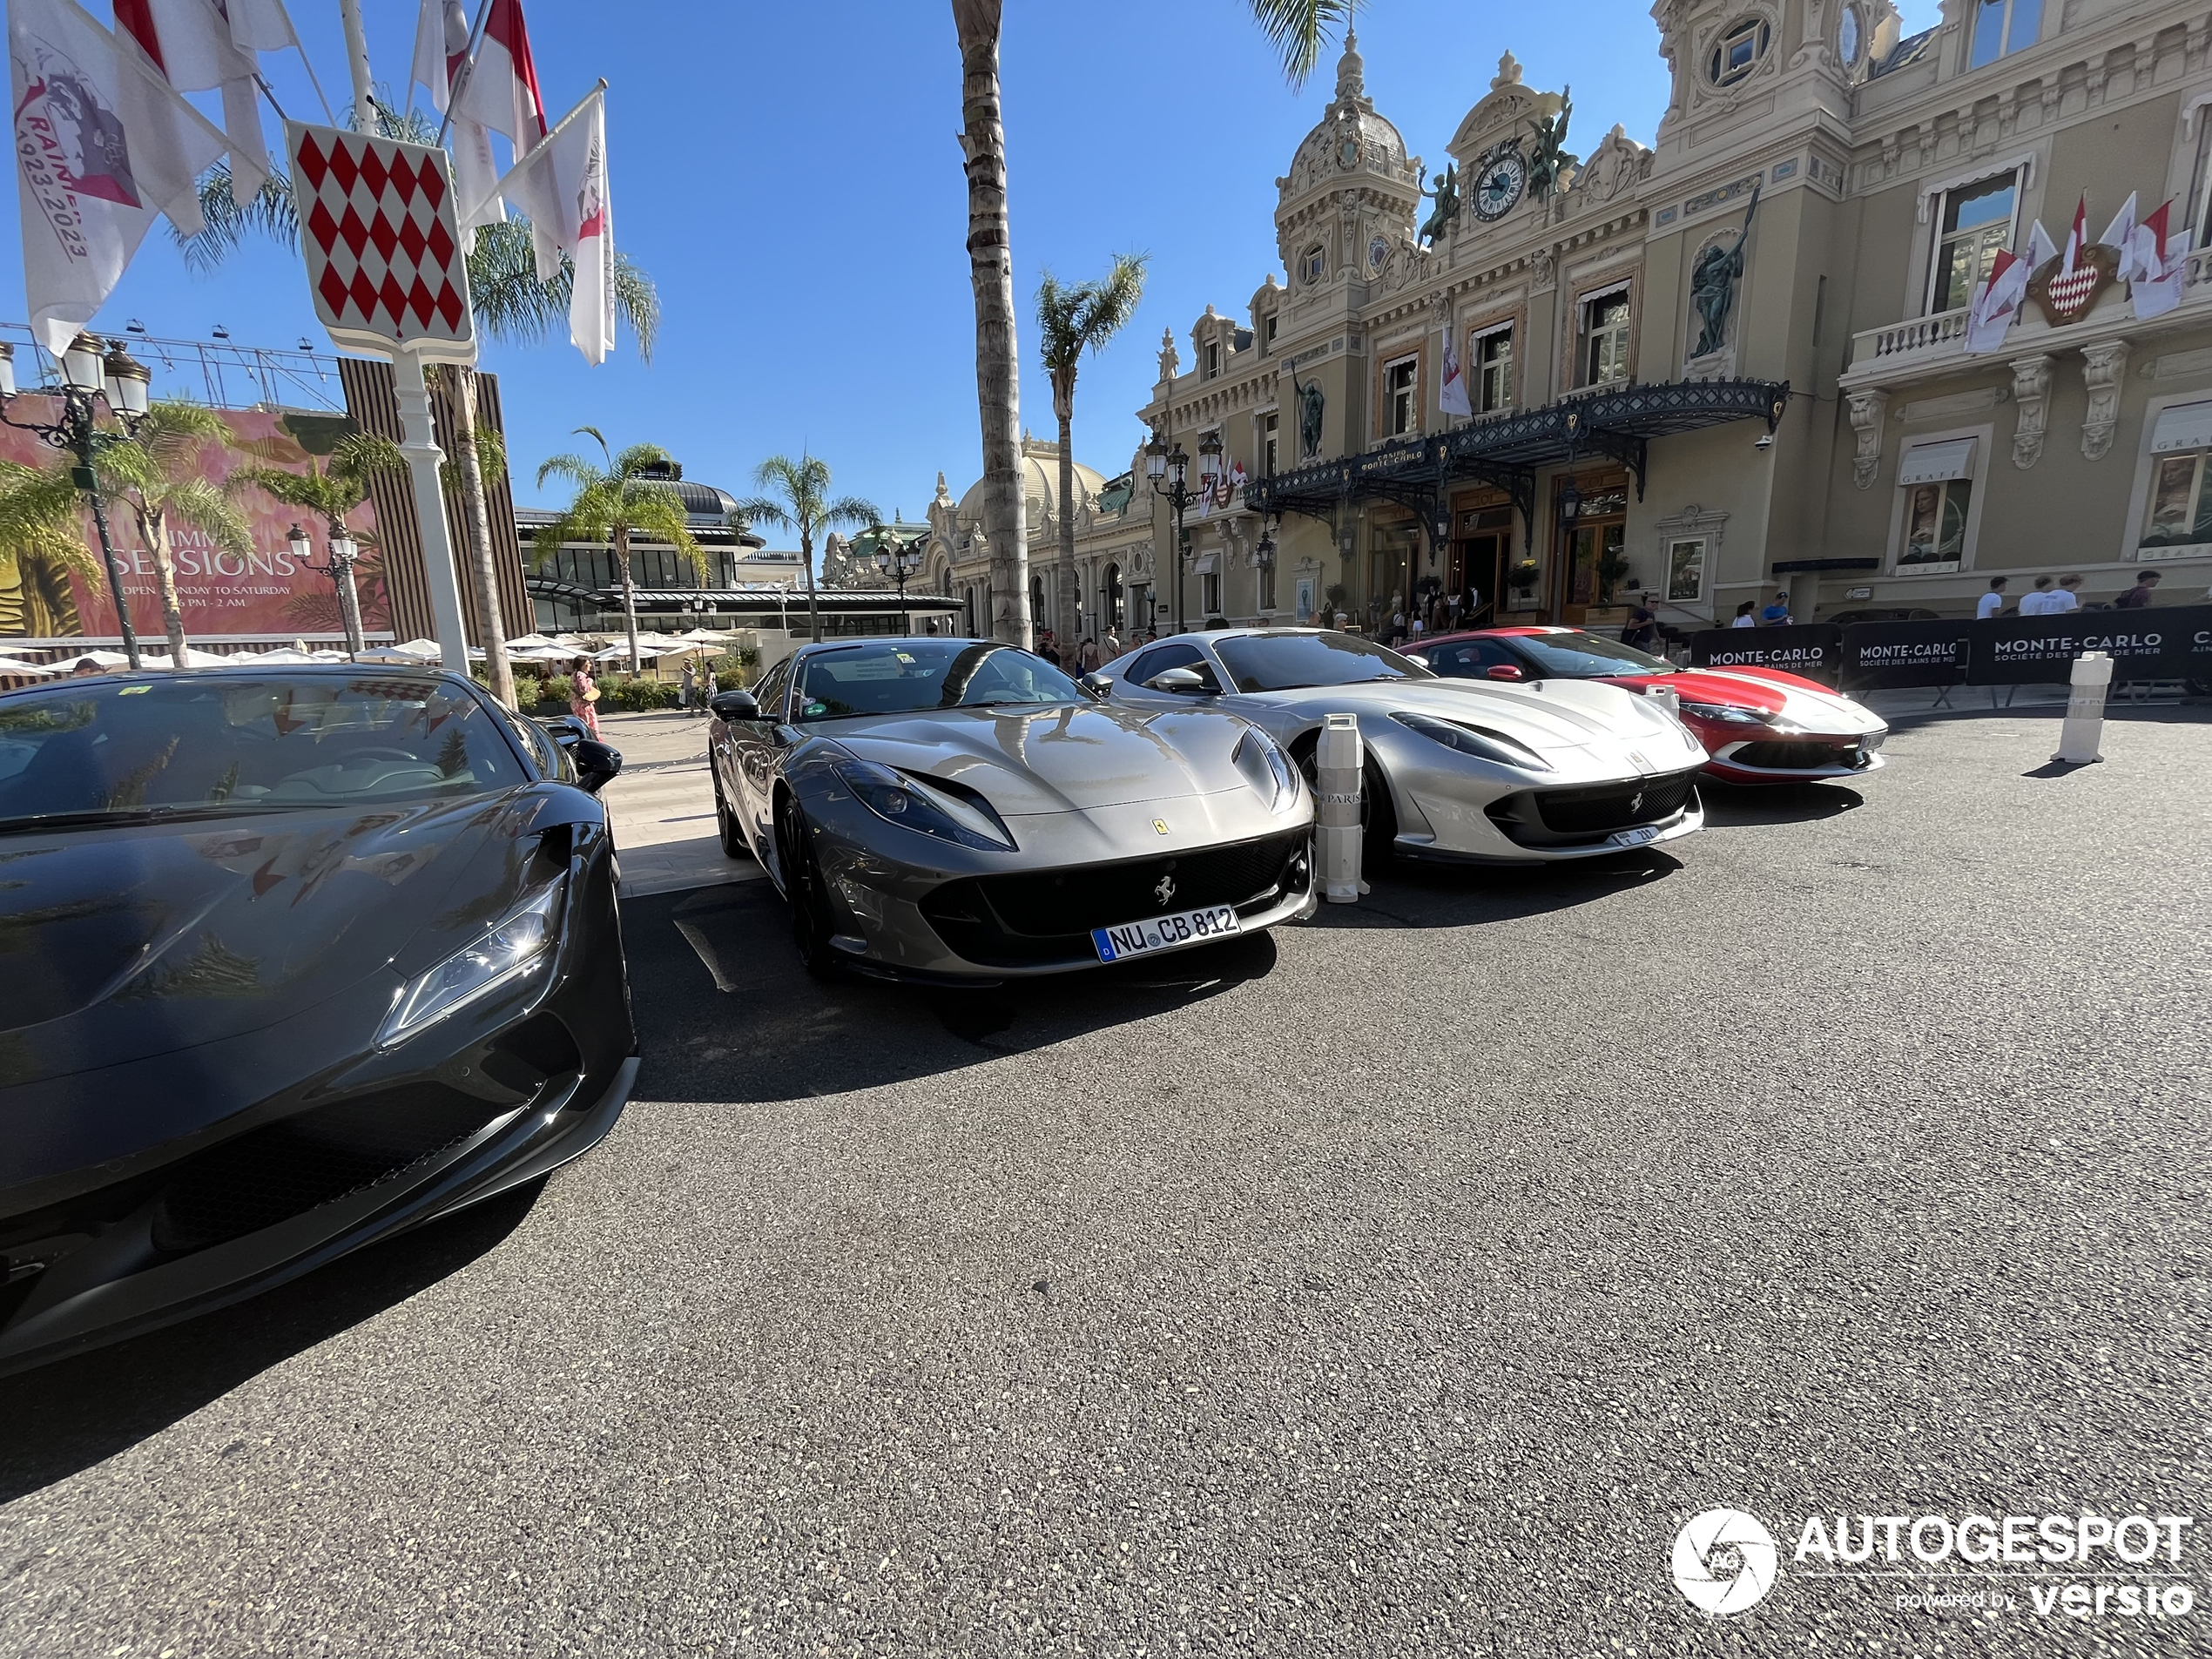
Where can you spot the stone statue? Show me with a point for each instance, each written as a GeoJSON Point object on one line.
{"type": "Point", "coordinates": [1712, 286]}
{"type": "Point", "coordinates": [1447, 198]}
{"type": "Point", "coordinates": [1309, 414]}
{"type": "Point", "coordinates": [1552, 159]}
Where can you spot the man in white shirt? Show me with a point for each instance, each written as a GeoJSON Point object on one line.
{"type": "Point", "coordinates": [1991, 603]}
{"type": "Point", "coordinates": [2067, 598]}
{"type": "Point", "coordinates": [2038, 603]}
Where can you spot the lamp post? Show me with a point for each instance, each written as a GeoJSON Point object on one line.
{"type": "Point", "coordinates": [1169, 469]}
{"type": "Point", "coordinates": [900, 560]}
{"type": "Point", "coordinates": [1263, 554]}
{"type": "Point", "coordinates": [1570, 506]}
{"type": "Point", "coordinates": [86, 375]}
{"type": "Point", "coordinates": [345, 553]}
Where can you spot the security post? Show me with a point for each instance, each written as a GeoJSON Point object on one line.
{"type": "Point", "coordinates": [2085, 710]}
{"type": "Point", "coordinates": [1338, 766]}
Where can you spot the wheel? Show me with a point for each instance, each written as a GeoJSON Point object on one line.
{"type": "Point", "coordinates": [734, 845]}
{"type": "Point", "coordinates": [810, 924]}
{"type": "Point", "coordinates": [1378, 815]}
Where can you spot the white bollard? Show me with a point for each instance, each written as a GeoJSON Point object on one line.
{"type": "Point", "coordinates": [1340, 765]}
{"type": "Point", "coordinates": [2085, 710]}
{"type": "Point", "coordinates": [1667, 698]}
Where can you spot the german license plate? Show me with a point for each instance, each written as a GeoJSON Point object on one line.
{"type": "Point", "coordinates": [1635, 836]}
{"type": "Point", "coordinates": [1164, 933]}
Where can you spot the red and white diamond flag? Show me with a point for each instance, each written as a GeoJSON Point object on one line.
{"type": "Point", "coordinates": [378, 227]}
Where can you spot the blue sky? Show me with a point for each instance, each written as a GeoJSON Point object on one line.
{"type": "Point", "coordinates": [789, 177]}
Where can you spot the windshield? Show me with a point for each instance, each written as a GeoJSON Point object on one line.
{"type": "Point", "coordinates": [907, 676]}
{"type": "Point", "coordinates": [1285, 662]}
{"type": "Point", "coordinates": [213, 744]}
{"type": "Point", "coordinates": [1577, 655]}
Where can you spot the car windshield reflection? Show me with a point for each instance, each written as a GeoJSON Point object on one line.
{"type": "Point", "coordinates": [1292, 662]}
{"type": "Point", "coordinates": [912, 675]}
{"type": "Point", "coordinates": [1584, 656]}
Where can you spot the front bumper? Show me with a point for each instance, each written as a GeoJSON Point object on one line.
{"type": "Point", "coordinates": [1796, 759]}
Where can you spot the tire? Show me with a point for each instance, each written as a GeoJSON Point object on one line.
{"type": "Point", "coordinates": [810, 923]}
{"type": "Point", "coordinates": [734, 845]}
{"type": "Point", "coordinates": [1378, 814]}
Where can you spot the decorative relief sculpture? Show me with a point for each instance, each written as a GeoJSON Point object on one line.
{"type": "Point", "coordinates": [2103, 364]}
{"type": "Point", "coordinates": [1712, 286]}
{"type": "Point", "coordinates": [2032, 392]}
{"type": "Point", "coordinates": [1866, 410]}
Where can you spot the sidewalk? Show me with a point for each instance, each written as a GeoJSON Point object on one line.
{"type": "Point", "coordinates": [663, 805]}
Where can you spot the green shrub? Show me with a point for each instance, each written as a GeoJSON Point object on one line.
{"type": "Point", "coordinates": [637, 695]}
{"type": "Point", "coordinates": [555, 692]}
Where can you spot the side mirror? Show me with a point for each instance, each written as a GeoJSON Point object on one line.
{"type": "Point", "coordinates": [566, 729]}
{"type": "Point", "coordinates": [1097, 684]}
{"type": "Point", "coordinates": [1503, 671]}
{"type": "Point", "coordinates": [596, 763]}
{"type": "Point", "coordinates": [734, 705]}
{"type": "Point", "coordinates": [1184, 682]}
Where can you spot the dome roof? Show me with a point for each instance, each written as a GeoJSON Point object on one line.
{"type": "Point", "coordinates": [1350, 119]}
{"type": "Point", "coordinates": [1041, 484]}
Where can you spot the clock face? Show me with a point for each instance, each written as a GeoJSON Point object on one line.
{"type": "Point", "coordinates": [1348, 153]}
{"type": "Point", "coordinates": [1504, 175]}
{"type": "Point", "coordinates": [1378, 253]}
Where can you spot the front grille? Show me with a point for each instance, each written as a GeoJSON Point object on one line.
{"type": "Point", "coordinates": [1782, 755]}
{"type": "Point", "coordinates": [1006, 920]}
{"type": "Point", "coordinates": [1578, 817]}
{"type": "Point", "coordinates": [287, 1168]}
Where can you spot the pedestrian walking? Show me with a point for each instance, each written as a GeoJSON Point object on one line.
{"type": "Point", "coordinates": [687, 690]}
{"type": "Point", "coordinates": [583, 694]}
{"type": "Point", "coordinates": [1991, 603]}
{"type": "Point", "coordinates": [2139, 596]}
{"type": "Point", "coordinates": [1777, 614]}
{"type": "Point", "coordinates": [1746, 614]}
{"type": "Point", "coordinates": [1047, 648]}
{"type": "Point", "coordinates": [2067, 598]}
{"type": "Point", "coordinates": [1111, 646]}
{"type": "Point", "coordinates": [1642, 629]}
{"type": "Point", "coordinates": [2037, 601]}
{"type": "Point", "coordinates": [1087, 656]}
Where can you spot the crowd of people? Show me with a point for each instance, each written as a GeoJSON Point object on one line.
{"type": "Point", "coordinates": [2046, 599]}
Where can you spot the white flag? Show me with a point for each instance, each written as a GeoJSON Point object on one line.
{"type": "Point", "coordinates": [2154, 274]}
{"type": "Point", "coordinates": [440, 53]}
{"type": "Point", "coordinates": [103, 145]}
{"type": "Point", "coordinates": [502, 91]}
{"type": "Point", "coordinates": [1998, 303]}
{"type": "Point", "coordinates": [202, 45]}
{"type": "Point", "coordinates": [1451, 390]}
{"type": "Point", "coordinates": [561, 186]}
{"type": "Point", "coordinates": [2119, 235]}
{"type": "Point", "coordinates": [2040, 248]}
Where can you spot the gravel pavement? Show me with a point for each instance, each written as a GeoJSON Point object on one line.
{"type": "Point", "coordinates": [1397, 1284]}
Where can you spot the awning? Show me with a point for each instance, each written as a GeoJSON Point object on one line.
{"type": "Point", "coordinates": [1205, 564]}
{"type": "Point", "coordinates": [2185, 426]}
{"type": "Point", "coordinates": [1935, 463]}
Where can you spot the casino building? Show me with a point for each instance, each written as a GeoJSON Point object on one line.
{"type": "Point", "coordinates": [1793, 261]}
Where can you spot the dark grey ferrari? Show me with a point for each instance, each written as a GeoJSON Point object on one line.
{"type": "Point", "coordinates": [296, 959]}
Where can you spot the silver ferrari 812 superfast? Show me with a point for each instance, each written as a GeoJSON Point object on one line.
{"type": "Point", "coordinates": [955, 810]}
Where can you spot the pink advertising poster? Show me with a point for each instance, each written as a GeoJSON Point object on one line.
{"type": "Point", "coordinates": [265, 592]}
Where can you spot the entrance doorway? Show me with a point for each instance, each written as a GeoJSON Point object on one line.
{"type": "Point", "coordinates": [1481, 557]}
{"type": "Point", "coordinates": [1595, 540]}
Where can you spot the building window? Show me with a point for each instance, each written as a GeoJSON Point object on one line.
{"type": "Point", "coordinates": [1213, 359]}
{"type": "Point", "coordinates": [1401, 396]}
{"type": "Point", "coordinates": [1935, 525]}
{"type": "Point", "coordinates": [1209, 591]}
{"type": "Point", "coordinates": [2180, 482]}
{"type": "Point", "coordinates": [1267, 332]}
{"type": "Point", "coordinates": [1493, 372]}
{"type": "Point", "coordinates": [2003, 26]}
{"type": "Point", "coordinates": [1976, 221]}
{"type": "Point", "coordinates": [1738, 51]}
{"type": "Point", "coordinates": [1605, 338]}
{"type": "Point", "coordinates": [1271, 433]}
{"type": "Point", "coordinates": [1313, 264]}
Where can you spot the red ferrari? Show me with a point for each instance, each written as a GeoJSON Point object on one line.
{"type": "Point", "coordinates": [1760, 725]}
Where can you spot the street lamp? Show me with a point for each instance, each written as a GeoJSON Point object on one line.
{"type": "Point", "coordinates": [88, 375]}
{"type": "Point", "coordinates": [344, 552]}
{"type": "Point", "coordinates": [1169, 471]}
{"type": "Point", "coordinates": [901, 560]}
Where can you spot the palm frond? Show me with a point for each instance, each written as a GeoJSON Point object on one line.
{"type": "Point", "coordinates": [308, 491]}
{"type": "Point", "coordinates": [574, 467]}
{"type": "Point", "coordinates": [853, 510]}
{"type": "Point", "coordinates": [1298, 29]}
{"type": "Point", "coordinates": [269, 212]}
{"type": "Point", "coordinates": [761, 510]}
{"type": "Point", "coordinates": [359, 455]}
{"type": "Point", "coordinates": [208, 507]}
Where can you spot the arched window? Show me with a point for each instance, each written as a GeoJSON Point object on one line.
{"type": "Point", "coordinates": [1110, 595]}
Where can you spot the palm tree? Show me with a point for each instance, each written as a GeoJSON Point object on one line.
{"type": "Point", "coordinates": [42, 536]}
{"type": "Point", "coordinates": [1072, 321]}
{"type": "Point", "coordinates": [613, 502]}
{"type": "Point", "coordinates": [802, 502]}
{"type": "Point", "coordinates": [1298, 29]}
{"type": "Point", "coordinates": [332, 491]}
{"type": "Point", "coordinates": [511, 304]}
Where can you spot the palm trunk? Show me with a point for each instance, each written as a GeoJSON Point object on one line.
{"type": "Point", "coordinates": [153, 530]}
{"type": "Point", "coordinates": [485, 579]}
{"type": "Point", "coordinates": [814, 611]}
{"type": "Point", "coordinates": [1063, 405]}
{"type": "Point", "coordinates": [349, 611]}
{"type": "Point", "coordinates": [629, 591]}
{"type": "Point", "coordinates": [991, 271]}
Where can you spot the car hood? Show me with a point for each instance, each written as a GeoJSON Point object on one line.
{"type": "Point", "coordinates": [1801, 701]}
{"type": "Point", "coordinates": [1065, 758]}
{"type": "Point", "coordinates": [1551, 717]}
{"type": "Point", "coordinates": [136, 941]}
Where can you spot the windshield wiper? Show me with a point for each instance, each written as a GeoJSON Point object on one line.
{"type": "Point", "coordinates": [127, 816]}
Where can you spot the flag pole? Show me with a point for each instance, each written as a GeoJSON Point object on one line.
{"type": "Point", "coordinates": [349, 13]}
{"type": "Point", "coordinates": [551, 133]}
{"type": "Point", "coordinates": [468, 68]}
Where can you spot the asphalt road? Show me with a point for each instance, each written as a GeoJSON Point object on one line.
{"type": "Point", "coordinates": [1396, 1284]}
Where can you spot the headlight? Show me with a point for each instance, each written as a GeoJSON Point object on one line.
{"type": "Point", "coordinates": [897, 799]}
{"type": "Point", "coordinates": [1726, 714]}
{"type": "Point", "coordinates": [510, 947]}
{"type": "Point", "coordinates": [1266, 770]}
{"type": "Point", "coordinates": [1480, 741]}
